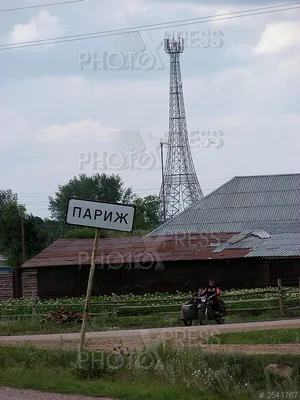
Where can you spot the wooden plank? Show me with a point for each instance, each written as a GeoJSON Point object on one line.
{"type": "Point", "coordinates": [6, 287]}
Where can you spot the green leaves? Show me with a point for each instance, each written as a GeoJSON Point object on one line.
{"type": "Point", "coordinates": [102, 188]}
{"type": "Point", "coordinates": [12, 217]}
{"type": "Point", "coordinates": [106, 188]}
{"type": "Point", "coordinates": [147, 212]}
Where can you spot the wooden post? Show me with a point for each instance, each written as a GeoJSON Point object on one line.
{"type": "Point", "coordinates": [88, 297]}
{"type": "Point", "coordinates": [115, 299]}
{"type": "Point", "coordinates": [23, 239]}
{"type": "Point", "coordinates": [33, 298]}
{"type": "Point", "coordinates": [299, 289]}
{"type": "Point", "coordinates": [280, 292]}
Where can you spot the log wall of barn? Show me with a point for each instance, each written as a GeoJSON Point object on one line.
{"type": "Point", "coordinates": [29, 282]}
{"type": "Point", "coordinates": [183, 276]}
{"type": "Point", "coordinates": [6, 286]}
{"type": "Point", "coordinates": [287, 269]}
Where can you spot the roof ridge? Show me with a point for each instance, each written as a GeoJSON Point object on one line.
{"type": "Point", "coordinates": [267, 175]}
{"type": "Point", "coordinates": [192, 205]}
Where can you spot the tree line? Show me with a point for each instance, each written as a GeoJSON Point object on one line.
{"type": "Point", "coordinates": [23, 235]}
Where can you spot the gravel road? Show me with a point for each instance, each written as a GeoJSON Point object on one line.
{"type": "Point", "coordinates": [28, 394]}
{"type": "Point", "coordinates": [108, 340]}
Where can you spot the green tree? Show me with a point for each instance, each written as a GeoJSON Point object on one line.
{"type": "Point", "coordinates": [147, 213]}
{"type": "Point", "coordinates": [12, 217]}
{"type": "Point", "coordinates": [106, 188]}
{"type": "Point", "coordinates": [55, 229]}
{"type": "Point", "coordinates": [7, 196]}
{"type": "Point", "coordinates": [35, 235]}
{"type": "Point", "coordinates": [83, 233]}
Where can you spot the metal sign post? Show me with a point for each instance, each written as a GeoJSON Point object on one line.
{"type": "Point", "coordinates": [113, 216]}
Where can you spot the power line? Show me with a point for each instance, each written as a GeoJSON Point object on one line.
{"type": "Point", "coordinates": [137, 189]}
{"type": "Point", "coordinates": [139, 192]}
{"type": "Point", "coordinates": [34, 194]}
{"type": "Point", "coordinates": [58, 3]}
{"type": "Point", "coordinates": [152, 27]}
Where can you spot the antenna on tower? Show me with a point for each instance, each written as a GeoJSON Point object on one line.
{"type": "Point", "coordinates": [180, 186]}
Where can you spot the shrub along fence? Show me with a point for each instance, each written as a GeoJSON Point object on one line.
{"type": "Point", "coordinates": [279, 299]}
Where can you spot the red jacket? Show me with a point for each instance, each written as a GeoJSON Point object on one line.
{"type": "Point", "coordinates": [212, 291]}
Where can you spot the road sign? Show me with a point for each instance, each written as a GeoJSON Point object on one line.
{"type": "Point", "coordinates": [113, 216]}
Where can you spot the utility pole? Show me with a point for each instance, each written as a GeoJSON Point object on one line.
{"type": "Point", "coordinates": [23, 238]}
{"type": "Point", "coordinates": [163, 179]}
{"type": "Point", "coordinates": [17, 274]}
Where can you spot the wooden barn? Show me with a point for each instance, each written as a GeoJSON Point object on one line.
{"type": "Point", "coordinates": [6, 280]}
{"type": "Point", "coordinates": [164, 263]}
{"type": "Point", "coordinates": [244, 234]}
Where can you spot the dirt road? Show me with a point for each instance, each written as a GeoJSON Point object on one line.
{"type": "Point", "coordinates": [28, 394]}
{"type": "Point", "coordinates": [138, 339]}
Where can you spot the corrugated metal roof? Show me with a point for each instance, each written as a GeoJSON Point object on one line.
{"type": "Point", "coordinates": [5, 269]}
{"type": "Point", "coordinates": [167, 248]}
{"type": "Point", "coordinates": [134, 249]}
{"type": "Point", "coordinates": [261, 234]}
{"type": "Point", "coordinates": [278, 245]}
{"type": "Point", "coordinates": [269, 203]}
{"type": "Point", "coordinates": [244, 234]}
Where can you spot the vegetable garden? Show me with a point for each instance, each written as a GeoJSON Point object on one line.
{"type": "Point", "coordinates": [252, 301]}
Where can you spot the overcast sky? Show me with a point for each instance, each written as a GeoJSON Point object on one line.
{"type": "Point", "coordinates": [59, 111]}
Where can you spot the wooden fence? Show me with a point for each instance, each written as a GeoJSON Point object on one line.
{"type": "Point", "coordinates": [278, 296]}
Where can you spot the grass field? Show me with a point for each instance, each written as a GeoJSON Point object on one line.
{"type": "Point", "coordinates": [159, 373]}
{"type": "Point", "coordinates": [276, 336]}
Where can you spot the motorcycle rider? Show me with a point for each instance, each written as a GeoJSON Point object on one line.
{"type": "Point", "coordinates": [194, 299]}
{"type": "Point", "coordinates": [213, 291]}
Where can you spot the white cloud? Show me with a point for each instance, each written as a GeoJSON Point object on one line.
{"type": "Point", "coordinates": [242, 51]}
{"type": "Point", "coordinates": [254, 101]}
{"type": "Point", "coordinates": [44, 26]}
{"type": "Point", "coordinates": [277, 37]}
{"type": "Point", "coordinates": [287, 71]}
{"type": "Point", "coordinates": [224, 16]}
{"type": "Point", "coordinates": [77, 132]}
{"type": "Point", "coordinates": [15, 128]}
{"type": "Point", "coordinates": [232, 121]}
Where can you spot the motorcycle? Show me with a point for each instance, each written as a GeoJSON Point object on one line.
{"type": "Point", "coordinates": [207, 313]}
{"type": "Point", "coordinates": [203, 312]}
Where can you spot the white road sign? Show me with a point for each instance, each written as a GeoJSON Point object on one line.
{"type": "Point", "coordinates": [118, 217]}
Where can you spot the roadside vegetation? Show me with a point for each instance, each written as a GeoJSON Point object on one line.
{"type": "Point", "coordinates": [143, 305]}
{"type": "Point", "coordinates": [136, 312]}
{"type": "Point", "coordinates": [272, 336]}
{"type": "Point", "coordinates": [236, 299]}
{"type": "Point", "coordinates": [32, 325]}
{"type": "Point", "coordinates": [161, 372]}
